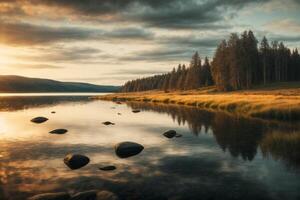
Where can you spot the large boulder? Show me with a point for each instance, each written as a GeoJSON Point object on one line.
{"type": "Point", "coordinates": [51, 196]}
{"type": "Point", "coordinates": [76, 161]}
{"type": "Point", "coordinates": [59, 131]}
{"type": "Point", "coordinates": [39, 120]}
{"type": "Point", "coordinates": [127, 149]}
{"type": "Point", "coordinates": [170, 134]}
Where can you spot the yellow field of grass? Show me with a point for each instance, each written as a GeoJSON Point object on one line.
{"type": "Point", "coordinates": [276, 101]}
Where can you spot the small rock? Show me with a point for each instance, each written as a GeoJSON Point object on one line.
{"type": "Point", "coordinates": [76, 161]}
{"type": "Point", "coordinates": [170, 134]}
{"type": "Point", "coordinates": [108, 168]}
{"type": "Point", "coordinates": [113, 107]}
{"type": "Point", "coordinates": [118, 102]}
{"type": "Point", "coordinates": [119, 114]}
{"type": "Point", "coordinates": [136, 111]}
{"type": "Point", "coordinates": [106, 195]}
{"type": "Point", "coordinates": [53, 112]}
{"type": "Point", "coordinates": [87, 195]}
{"type": "Point", "coordinates": [51, 196]}
{"type": "Point", "coordinates": [59, 131]}
{"type": "Point", "coordinates": [108, 123]}
{"type": "Point", "coordinates": [128, 149]}
{"type": "Point", "coordinates": [39, 120]}
{"type": "Point", "coordinates": [178, 135]}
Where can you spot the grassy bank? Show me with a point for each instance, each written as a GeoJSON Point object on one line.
{"type": "Point", "coordinates": [275, 101]}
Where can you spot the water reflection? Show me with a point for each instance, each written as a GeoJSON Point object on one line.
{"type": "Point", "coordinates": [225, 158]}
{"type": "Point", "coordinates": [14, 103]}
{"type": "Point", "coordinates": [238, 135]}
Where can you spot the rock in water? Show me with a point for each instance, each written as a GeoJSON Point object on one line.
{"type": "Point", "coordinates": [170, 134]}
{"type": "Point", "coordinates": [108, 168]}
{"type": "Point", "coordinates": [108, 123]}
{"type": "Point", "coordinates": [127, 149]}
{"type": "Point", "coordinates": [106, 195]}
{"type": "Point", "coordinates": [51, 196]}
{"type": "Point", "coordinates": [76, 161]}
{"type": "Point", "coordinates": [53, 112]}
{"type": "Point", "coordinates": [87, 195]}
{"type": "Point", "coordinates": [136, 111]}
{"type": "Point", "coordinates": [59, 131]}
{"type": "Point", "coordinates": [39, 120]}
{"type": "Point", "coordinates": [178, 135]}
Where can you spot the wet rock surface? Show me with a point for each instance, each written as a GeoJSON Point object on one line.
{"type": "Point", "coordinates": [170, 134]}
{"type": "Point", "coordinates": [76, 161]}
{"type": "Point", "coordinates": [107, 123]}
{"type": "Point", "coordinates": [128, 149]}
{"type": "Point", "coordinates": [39, 120]}
{"type": "Point", "coordinates": [51, 196]}
{"type": "Point", "coordinates": [87, 195]}
{"type": "Point", "coordinates": [106, 195]}
{"type": "Point", "coordinates": [136, 111]}
{"type": "Point", "coordinates": [108, 168]}
{"type": "Point", "coordinates": [59, 131]}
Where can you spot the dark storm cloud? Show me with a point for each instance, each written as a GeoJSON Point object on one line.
{"type": "Point", "coordinates": [30, 34]}
{"type": "Point", "coordinates": [157, 13]}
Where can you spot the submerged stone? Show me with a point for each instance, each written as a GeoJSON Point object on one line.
{"type": "Point", "coordinates": [76, 161]}
{"type": "Point", "coordinates": [108, 168]}
{"type": "Point", "coordinates": [128, 149]}
{"type": "Point", "coordinates": [170, 134]}
{"type": "Point", "coordinates": [39, 120]}
{"type": "Point", "coordinates": [59, 131]}
{"type": "Point", "coordinates": [108, 123]}
{"type": "Point", "coordinates": [136, 111]}
{"type": "Point", "coordinates": [178, 135]}
{"type": "Point", "coordinates": [51, 196]}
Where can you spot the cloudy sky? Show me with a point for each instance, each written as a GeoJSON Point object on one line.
{"type": "Point", "coordinates": [112, 41]}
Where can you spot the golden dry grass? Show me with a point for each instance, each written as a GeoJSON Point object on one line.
{"type": "Point", "coordinates": [273, 102]}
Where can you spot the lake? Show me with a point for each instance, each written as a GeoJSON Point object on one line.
{"type": "Point", "coordinates": [219, 156]}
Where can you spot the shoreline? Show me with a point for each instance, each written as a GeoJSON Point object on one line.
{"type": "Point", "coordinates": [280, 103]}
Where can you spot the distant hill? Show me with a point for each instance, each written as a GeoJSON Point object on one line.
{"type": "Point", "coordinates": [11, 84]}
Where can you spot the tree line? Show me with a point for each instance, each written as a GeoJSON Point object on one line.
{"type": "Point", "coordinates": [238, 63]}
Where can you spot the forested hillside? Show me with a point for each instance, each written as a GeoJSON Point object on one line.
{"type": "Point", "coordinates": [238, 63]}
{"type": "Point", "coordinates": [23, 84]}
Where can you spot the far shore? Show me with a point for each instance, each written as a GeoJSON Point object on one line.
{"type": "Point", "coordinates": [274, 101]}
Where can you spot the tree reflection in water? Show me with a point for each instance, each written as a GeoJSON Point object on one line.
{"type": "Point", "coordinates": [240, 136]}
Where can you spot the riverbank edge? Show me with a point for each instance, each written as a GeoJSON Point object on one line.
{"type": "Point", "coordinates": [283, 107]}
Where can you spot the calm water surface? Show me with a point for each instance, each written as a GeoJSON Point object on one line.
{"type": "Point", "coordinates": [218, 157]}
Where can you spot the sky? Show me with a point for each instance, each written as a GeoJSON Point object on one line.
{"type": "Point", "coordinates": [109, 42]}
